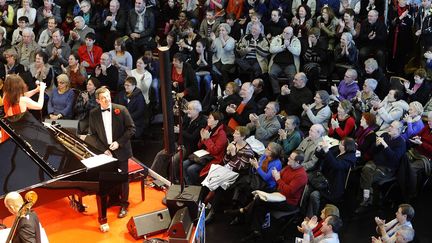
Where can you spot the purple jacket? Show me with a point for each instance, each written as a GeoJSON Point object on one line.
{"type": "Point", "coordinates": [412, 129]}
{"type": "Point", "coordinates": [347, 92]}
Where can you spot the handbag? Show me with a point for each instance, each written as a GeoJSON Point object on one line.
{"type": "Point", "coordinates": [318, 181]}
{"type": "Point", "coordinates": [203, 160]}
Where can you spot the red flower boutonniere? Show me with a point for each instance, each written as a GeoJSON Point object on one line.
{"type": "Point", "coordinates": [117, 111]}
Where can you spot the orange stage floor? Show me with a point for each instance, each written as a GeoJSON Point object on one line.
{"type": "Point", "coordinates": [65, 225]}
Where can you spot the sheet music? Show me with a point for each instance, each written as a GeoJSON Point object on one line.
{"type": "Point", "coordinates": [200, 153]}
{"type": "Point", "coordinates": [97, 160]}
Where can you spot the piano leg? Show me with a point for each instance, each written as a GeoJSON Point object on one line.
{"type": "Point", "coordinates": [102, 204]}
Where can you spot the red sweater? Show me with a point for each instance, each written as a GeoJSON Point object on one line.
{"type": "Point", "coordinates": [84, 55]}
{"type": "Point", "coordinates": [345, 129]}
{"type": "Point", "coordinates": [426, 137]}
{"type": "Point", "coordinates": [292, 183]}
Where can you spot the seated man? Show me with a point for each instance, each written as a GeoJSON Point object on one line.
{"type": "Point", "coordinates": [265, 125]}
{"type": "Point", "coordinates": [107, 73]}
{"type": "Point", "coordinates": [387, 154]}
{"type": "Point", "coordinates": [285, 49]}
{"type": "Point", "coordinates": [310, 144]}
{"type": "Point", "coordinates": [389, 231]}
{"type": "Point", "coordinates": [292, 99]}
{"type": "Point", "coordinates": [239, 115]}
{"type": "Point", "coordinates": [90, 53]}
{"type": "Point", "coordinates": [260, 96]}
{"type": "Point", "coordinates": [347, 88]}
{"type": "Point", "coordinates": [290, 182]}
{"type": "Point", "coordinates": [390, 109]}
{"type": "Point", "coordinates": [329, 229]}
{"type": "Point", "coordinates": [253, 49]}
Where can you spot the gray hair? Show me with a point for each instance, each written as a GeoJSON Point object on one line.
{"type": "Point", "coordinates": [371, 83]}
{"type": "Point", "coordinates": [226, 27]}
{"type": "Point", "coordinates": [196, 105]}
{"type": "Point", "coordinates": [371, 63]}
{"type": "Point", "coordinates": [79, 18]}
{"type": "Point", "coordinates": [353, 72]}
{"type": "Point", "coordinates": [275, 105]}
{"type": "Point", "coordinates": [324, 95]}
{"type": "Point", "coordinates": [303, 77]}
{"type": "Point", "coordinates": [417, 106]}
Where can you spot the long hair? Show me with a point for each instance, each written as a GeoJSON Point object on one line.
{"type": "Point", "coordinates": [14, 87]}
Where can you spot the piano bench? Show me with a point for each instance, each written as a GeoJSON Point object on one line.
{"type": "Point", "coordinates": [137, 172]}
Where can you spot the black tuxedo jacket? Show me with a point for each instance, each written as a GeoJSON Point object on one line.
{"type": "Point", "coordinates": [123, 128]}
{"type": "Point", "coordinates": [28, 230]}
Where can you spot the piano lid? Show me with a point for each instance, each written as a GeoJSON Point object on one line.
{"type": "Point", "coordinates": [32, 156]}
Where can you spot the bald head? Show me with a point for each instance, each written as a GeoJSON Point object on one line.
{"type": "Point", "coordinates": [13, 202]}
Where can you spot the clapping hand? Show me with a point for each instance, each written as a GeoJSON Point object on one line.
{"type": "Point", "coordinates": [416, 140]}
{"type": "Point", "coordinates": [408, 119]}
{"type": "Point", "coordinates": [307, 226]}
{"type": "Point", "coordinates": [334, 90]}
{"type": "Point", "coordinates": [254, 163]}
{"type": "Point", "coordinates": [380, 141]}
{"type": "Point", "coordinates": [282, 134]}
{"type": "Point", "coordinates": [275, 174]}
{"type": "Point", "coordinates": [334, 123]}
{"type": "Point", "coordinates": [305, 107]}
{"type": "Point", "coordinates": [204, 134]}
{"type": "Point", "coordinates": [285, 90]}
{"type": "Point", "coordinates": [379, 222]}
{"type": "Point", "coordinates": [231, 149]}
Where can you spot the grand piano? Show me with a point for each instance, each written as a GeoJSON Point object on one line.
{"type": "Point", "coordinates": [48, 159]}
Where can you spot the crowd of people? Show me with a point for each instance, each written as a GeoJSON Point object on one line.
{"type": "Point", "coordinates": [269, 85]}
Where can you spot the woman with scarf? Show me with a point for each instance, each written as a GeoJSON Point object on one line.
{"type": "Point", "coordinates": [132, 98]}
{"type": "Point", "coordinates": [400, 36]}
{"type": "Point", "coordinates": [214, 141]}
{"type": "Point", "coordinates": [365, 136]}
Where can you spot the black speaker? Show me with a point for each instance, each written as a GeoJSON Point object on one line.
{"type": "Point", "coordinates": [189, 198]}
{"type": "Point", "coordinates": [181, 225]}
{"type": "Point", "coordinates": [149, 224]}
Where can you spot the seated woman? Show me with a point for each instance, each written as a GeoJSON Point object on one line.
{"type": "Point", "coordinates": [316, 113]}
{"type": "Point", "coordinates": [183, 77]}
{"type": "Point", "coordinates": [40, 69]}
{"type": "Point", "coordinates": [16, 100]}
{"type": "Point", "coordinates": [365, 136]}
{"type": "Point", "coordinates": [143, 77]}
{"type": "Point", "coordinates": [335, 167]}
{"type": "Point", "coordinates": [290, 137]}
{"type": "Point", "coordinates": [213, 140]}
{"type": "Point", "coordinates": [121, 58]}
{"type": "Point", "coordinates": [362, 102]}
{"type": "Point", "coordinates": [413, 121]}
{"type": "Point", "coordinates": [420, 89]}
{"type": "Point", "coordinates": [86, 101]}
{"type": "Point", "coordinates": [201, 62]}
{"type": "Point", "coordinates": [260, 178]}
{"type": "Point", "coordinates": [133, 100]}
{"type": "Point", "coordinates": [291, 182]}
{"type": "Point", "coordinates": [345, 54]}
{"type": "Point", "coordinates": [342, 124]}
{"type": "Point", "coordinates": [75, 71]}
{"type": "Point", "coordinates": [61, 102]}
{"type": "Point", "coordinates": [237, 157]}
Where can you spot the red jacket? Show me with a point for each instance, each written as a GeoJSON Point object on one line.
{"type": "Point", "coordinates": [216, 146]}
{"type": "Point", "coordinates": [85, 56]}
{"type": "Point", "coordinates": [426, 137]}
{"type": "Point", "coordinates": [292, 183]}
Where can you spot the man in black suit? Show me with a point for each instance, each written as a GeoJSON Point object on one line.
{"type": "Point", "coordinates": [110, 130]}
{"type": "Point", "coordinates": [28, 229]}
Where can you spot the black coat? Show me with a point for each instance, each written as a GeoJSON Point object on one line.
{"type": "Point", "coordinates": [136, 106]}
{"type": "Point", "coordinates": [190, 85]}
{"type": "Point", "coordinates": [28, 229]}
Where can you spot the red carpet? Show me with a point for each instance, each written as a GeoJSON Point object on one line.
{"type": "Point", "coordinates": [65, 225]}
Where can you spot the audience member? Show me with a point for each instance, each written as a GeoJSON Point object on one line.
{"type": "Point", "coordinates": [121, 58]}
{"type": "Point", "coordinates": [372, 38]}
{"type": "Point", "coordinates": [108, 75]}
{"type": "Point", "coordinates": [347, 88]}
{"type": "Point", "coordinates": [28, 11]}
{"type": "Point", "coordinates": [114, 25]}
{"type": "Point", "coordinates": [389, 231]}
{"type": "Point", "coordinates": [309, 146]}
{"type": "Point", "coordinates": [373, 71]}
{"type": "Point", "coordinates": [184, 79]}
{"type": "Point", "coordinates": [390, 109]}
{"type": "Point", "coordinates": [314, 57]}
{"type": "Point", "coordinates": [75, 71]}
{"type": "Point", "coordinates": [48, 10]}
{"type": "Point", "coordinates": [238, 115]}
{"type": "Point", "coordinates": [209, 24]}
{"type": "Point", "coordinates": [77, 36]}
{"type": "Point", "coordinates": [223, 54]}
{"type": "Point", "coordinates": [90, 53]}
{"type": "Point", "coordinates": [85, 102]}
{"type": "Point", "coordinates": [342, 124]}
{"type": "Point", "coordinates": [45, 38]}
{"type": "Point", "coordinates": [58, 51]}
{"type": "Point", "coordinates": [61, 102]}
{"type": "Point", "coordinates": [290, 137]}
{"type": "Point", "coordinates": [316, 113]}
{"type": "Point", "coordinates": [292, 99]}
{"type": "Point", "coordinates": [27, 48]}
{"type": "Point", "coordinates": [330, 228]}
{"type": "Point", "coordinates": [365, 136]}
{"type": "Point", "coordinates": [265, 125]}
{"type": "Point", "coordinates": [413, 123]}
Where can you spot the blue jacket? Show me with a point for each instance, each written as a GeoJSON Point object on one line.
{"type": "Point", "coordinates": [267, 176]}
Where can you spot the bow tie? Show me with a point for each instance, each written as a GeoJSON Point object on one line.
{"type": "Point", "coordinates": [107, 109]}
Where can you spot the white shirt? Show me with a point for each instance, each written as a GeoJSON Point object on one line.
{"type": "Point", "coordinates": [107, 122]}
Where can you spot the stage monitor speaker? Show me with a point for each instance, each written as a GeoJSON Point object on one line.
{"type": "Point", "coordinates": [190, 198]}
{"type": "Point", "coordinates": [181, 224]}
{"type": "Point", "coordinates": [149, 224]}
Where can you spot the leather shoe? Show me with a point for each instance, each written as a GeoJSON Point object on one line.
{"type": "Point", "coordinates": [122, 213]}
